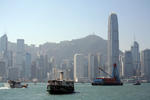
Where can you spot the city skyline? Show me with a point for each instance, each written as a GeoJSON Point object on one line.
{"type": "Point", "coordinates": [82, 56]}
{"type": "Point", "coordinates": [28, 19]}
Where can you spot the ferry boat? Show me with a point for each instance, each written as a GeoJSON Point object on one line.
{"type": "Point", "coordinates": [15, 84]}
{"type": "Point", "coordinates": [60, 86]}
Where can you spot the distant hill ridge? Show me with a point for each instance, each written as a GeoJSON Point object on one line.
{"type": "Point", "coordinates": [67, 49]}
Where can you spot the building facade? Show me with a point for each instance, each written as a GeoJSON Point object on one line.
{"type": "Point", "coordinates": [135, 58]}
{"type": "Point", "coordinates": [145, 64]}
{"type": "Point", "coordinates": [79, 67]}
{"type": "Point", "coordinates": [127, 64]}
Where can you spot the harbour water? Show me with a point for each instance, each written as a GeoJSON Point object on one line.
{"type": "Point", "coordinates": [83, 92]}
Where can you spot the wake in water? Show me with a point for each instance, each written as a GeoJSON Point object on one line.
{"type": "Point", "coordinates": [1, 88]}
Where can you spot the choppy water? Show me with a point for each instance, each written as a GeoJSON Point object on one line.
{"type": "Point", "coordinates": [84, 92]}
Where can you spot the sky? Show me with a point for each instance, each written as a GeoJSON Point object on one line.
{"type": "Point", "coordinates": [40, 21]}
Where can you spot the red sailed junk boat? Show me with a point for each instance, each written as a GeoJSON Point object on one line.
{"type": "Point", "coordinates": [114, 80]}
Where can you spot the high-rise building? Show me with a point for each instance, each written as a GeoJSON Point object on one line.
{"type": "Point", "coordinates": [145, 64]}
{"type": "Point", "coordinates": [127, 64]}
{"type": "Point", "coordinates": [34, 70]}
{"type": "Point", "coordinates": [135, 58]}
{"type": "Point", "coordinates": [113, 42]}
{"type": "Point", "coordinates": [4, 51]}
{"type": "Point", "coordinates": [20, 55]}
{"type": "Point", "coordinates": [13, 73]}
{"type": "Point", "coordinates": [10, 59]}
{"type": "Point", "coordinates": [27, 66]}
{"type": "Point", "coordinates": [91, 68]}
{"type": "Point", "coordinates": [2, 70]}
{"type": "Point", "coordinates": [79, 63]}
{"type": "Point", "coordinates": [3, 43]}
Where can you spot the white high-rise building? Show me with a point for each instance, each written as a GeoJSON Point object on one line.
{"type": "Point", "coordinates": [135, 58]}
{"type": "Point", "coordinates": [79, 63]}
{"type": "Point", "coordinates": [145, 63]}
{"type": "Point", "coordinates": [113, 42]}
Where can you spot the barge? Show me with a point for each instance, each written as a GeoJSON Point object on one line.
{"type": "Point", "coordinates": [113, 80]}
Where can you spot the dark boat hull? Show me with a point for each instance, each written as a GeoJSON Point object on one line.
{"type": "Point", "coordinates": [108, 83]}
{"type": "Point", "coordinates": [53, 89]}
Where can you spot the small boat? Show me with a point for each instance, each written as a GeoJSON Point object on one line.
{"type": "Point", "coordinates": [60, 86]}
{"type": "Point", "coordinates": [15, 84]}
{"type": "Point", "coordinates": [137, 83]}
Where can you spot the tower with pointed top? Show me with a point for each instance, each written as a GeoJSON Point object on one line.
{"type": "Point", "coordinates": [113, 42]}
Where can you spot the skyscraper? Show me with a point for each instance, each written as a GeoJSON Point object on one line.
{"type": "Point", "coordinates": [20, 55]}
{"type": "Point", "coordinates": [113, 42]}
{"type": "Point", "coordinates": [127, 64]}
{"type": "Point", "coordinates": [91, 71]}
{"type": "Point", "coordinates": [3, 43]}
{"type": "Point", "coordinates": [135, 58]}
{"type": "Point", "coordinates": [79, 63]}
{"type": "Point", "coordinates": [27, 66]}
{"type": "Point", "coordinates": [4, 51]}
{"type": "Point", "coordinates": [145, 64]}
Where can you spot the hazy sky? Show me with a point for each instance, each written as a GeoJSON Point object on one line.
{"type": "Point", "coordinates": [40, 21]}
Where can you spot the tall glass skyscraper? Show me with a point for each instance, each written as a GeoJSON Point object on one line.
{"type": "Point", "coordinates": [135, 58]}
{"type": "Point", "coordinates": [113, 42]}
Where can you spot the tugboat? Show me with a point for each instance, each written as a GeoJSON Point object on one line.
{"type": "Point", "coordinates": [15, 84]}
{"type": "Point", "coordinates": [113, 80]}
{"type": "Point", "coordinates": [60, 86]}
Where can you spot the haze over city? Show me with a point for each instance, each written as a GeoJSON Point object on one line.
{"type": "Point", "coordinates": [38, 21]}
{"type": "Point", "coordinates": [89, 49]}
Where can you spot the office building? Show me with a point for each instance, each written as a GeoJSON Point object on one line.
{"type": "Point", "coordinates": [113, 42]}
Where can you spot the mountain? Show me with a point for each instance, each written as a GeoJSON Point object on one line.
{"type": "Point", "coordinates": [66, 49]}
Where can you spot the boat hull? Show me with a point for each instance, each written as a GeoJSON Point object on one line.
{"type": "Point", "coordinates": [53, 89]}
{"type": "Point", "coordinates": [108, 83]}
{"type": "Point", "coordinates": [14, 84]}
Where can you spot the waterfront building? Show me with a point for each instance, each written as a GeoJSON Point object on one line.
{"type": "Point", "coordinates": [13, 73]}
{"type": "Point", "coordinates": [127, 64]}
{"type": "Point", "coordinates": [113, 42]}
{"type": "Point", "coordinates": [2, 70]}
{"type": "Point", "coordinates": [10, 59]}
{"type": "Point", "coordinates": [4, 51]}
{"type": "Point", "coordinates": [79, 63]}
{"type": "Point", "coordinates": [27, 66]}
{"type": "Point", "coordinates": [91, 67]}
{"type": "Point", "coordinates": [135, 58]}
{"type": "Point", "coordinates": [3, 43]}
{"type": "Point", "coordinates": [145, 64]}
{"type": "Point", "coordinates": [20, 55]}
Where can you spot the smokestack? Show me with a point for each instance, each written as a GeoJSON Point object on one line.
{"type": "Point", "coordinates": [61, 75]}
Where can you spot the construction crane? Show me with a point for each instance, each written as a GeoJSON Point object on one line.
{"type": "Point", "coordinates": [104, 71]}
